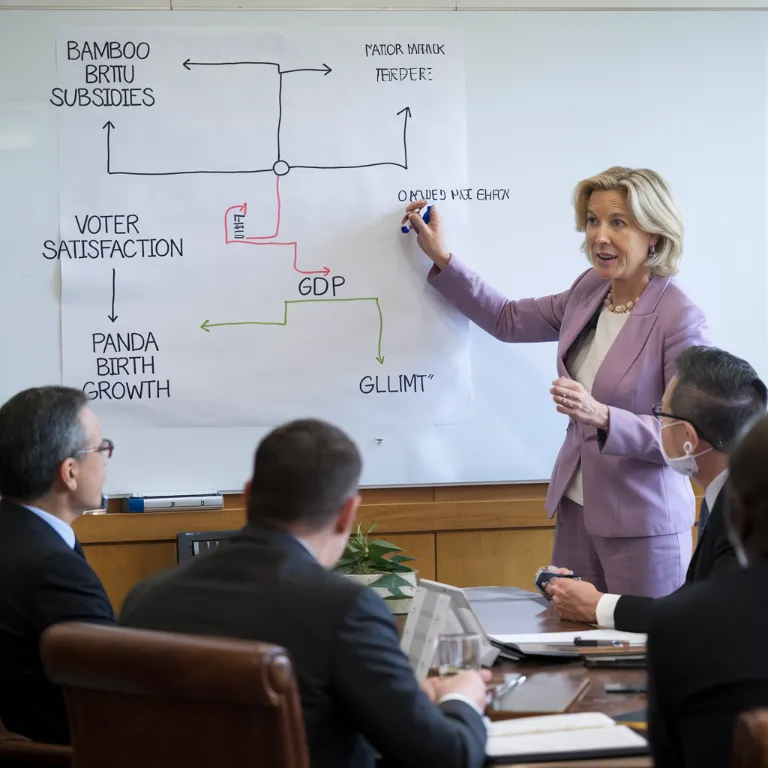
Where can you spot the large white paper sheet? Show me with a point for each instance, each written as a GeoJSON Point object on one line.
{"type": "Point", "coordinates": [230, 238]}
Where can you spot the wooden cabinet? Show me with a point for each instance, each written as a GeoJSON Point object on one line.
{"type": "Point", "coordinates": [466, 536]}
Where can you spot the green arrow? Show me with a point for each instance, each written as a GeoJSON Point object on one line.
{"type": "Point", "coordinates": [206, 325]}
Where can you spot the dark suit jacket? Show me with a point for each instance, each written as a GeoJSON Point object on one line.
{"type": "Point", "coordinates": [357, 688]}
{"type": "Point", "coordinates": [713, 555]}
{"type": "Point", "coordinates": [707, 662]}
{"type": "Point", "coordinates": [42, 582]}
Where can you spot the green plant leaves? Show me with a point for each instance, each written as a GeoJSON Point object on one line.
{"type": "Point", "coordinates": [364, 556]}
{"type": "Point", "coordinates": [385, 545]}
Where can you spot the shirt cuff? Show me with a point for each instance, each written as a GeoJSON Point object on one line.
{"type": "Point", "coordinates": [459, 697]}
{"type": "Point", "coordinates": [605, 609]}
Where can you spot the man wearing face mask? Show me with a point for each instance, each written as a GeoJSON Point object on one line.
{"type": "Point", "coordinates": [706, 652]}
{"type": "Point", "coordinates": [705, 407]}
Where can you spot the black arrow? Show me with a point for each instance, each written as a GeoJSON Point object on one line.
{"type": "Point", "coordinates": [407, 112]}
{"type": "Point", "coordinates": [188, 64]}
{"type": "Point", "coordinates": [404, 165]}
{"type": "Point", "coordinates": [109, 126]}
{"type": "Point", "coordinates": [325, 68]}
{"type": "Point", "coordinates": [113, 316]}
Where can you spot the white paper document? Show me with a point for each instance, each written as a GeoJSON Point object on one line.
{"type": "Point", "coordinates": [585, 732]}
{"type": "Point", "coordinates": [560, 638]}
{"type": "Point", "coordinates": [230, 238]}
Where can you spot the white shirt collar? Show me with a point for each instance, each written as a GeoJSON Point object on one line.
{"type": "Point", "coordinates": [713, 489]}
{"type": "Point", "coordinates": [63, 529]}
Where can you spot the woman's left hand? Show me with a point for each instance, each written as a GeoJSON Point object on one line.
{"type": "Point", "coordinates": [574, 401]}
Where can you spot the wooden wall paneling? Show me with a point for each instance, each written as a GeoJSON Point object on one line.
{"type": "Point", "coordinates": [422, 547]}
{"type": "Point", "coordinates": [530, 492]}
{"type": "Point", "coordinates": [462, 535]}
{"type": "Point", "coordinates": [121, 566]}
{"type": "Point", "coordinates": [493, 558]}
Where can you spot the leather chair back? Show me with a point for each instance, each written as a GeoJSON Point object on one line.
{"type": "Point", "coordinates": [145, 699]}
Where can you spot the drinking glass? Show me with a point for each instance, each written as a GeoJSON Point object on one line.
{"type": "Point", "coordinates": [458, 652]}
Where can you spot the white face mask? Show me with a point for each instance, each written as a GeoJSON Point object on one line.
{"type": "Point", "coordinates": [686, 464]}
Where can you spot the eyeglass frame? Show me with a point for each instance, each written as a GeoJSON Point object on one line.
{"type": "Point", "coordinates": [659, 415]}
{"type": "Point", "coordinates": [106, 446]}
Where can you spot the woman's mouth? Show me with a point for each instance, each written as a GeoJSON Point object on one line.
{"type": "Point", "coordinates": [606, 256]}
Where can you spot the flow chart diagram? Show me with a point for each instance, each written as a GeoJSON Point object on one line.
{"type": "Point", "coordinates": [240, 210]}
{"type": "Point", "coordinates": [280, 169]}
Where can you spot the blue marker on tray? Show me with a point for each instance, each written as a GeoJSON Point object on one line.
{"type": "Point", "coordinates": [406, 228]}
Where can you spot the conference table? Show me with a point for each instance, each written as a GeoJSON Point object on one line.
{"type": "Point", "coordinates": [530, 613]}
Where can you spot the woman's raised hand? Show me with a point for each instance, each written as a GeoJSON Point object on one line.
{"type": "Point", "coordinates": [428, 236]}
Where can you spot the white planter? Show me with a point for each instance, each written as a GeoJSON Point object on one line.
{"type": "Point", "coordinates": [395, 605]}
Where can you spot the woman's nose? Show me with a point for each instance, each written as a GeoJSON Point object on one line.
{"type": "Point", "coordinates": [602, 235]}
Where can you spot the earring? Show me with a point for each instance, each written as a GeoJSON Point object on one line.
{"type": "Point", "coordinates": [687, 447]}
{"type": "Point", "coordinates": [652, 250]}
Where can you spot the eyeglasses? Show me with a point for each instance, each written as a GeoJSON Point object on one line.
{"type": "Point", "coordinates": [659, 414]}
{"type": "Point", "coordinates": [107, 446]}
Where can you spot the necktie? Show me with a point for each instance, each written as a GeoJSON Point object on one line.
{"type": "Point", "coordinates": [78, 548]}
{"type": "Point", "coordinates": [703, 517]}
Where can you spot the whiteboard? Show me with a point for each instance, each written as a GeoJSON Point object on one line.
{"type": "Point", "coordinates": [551, 98]}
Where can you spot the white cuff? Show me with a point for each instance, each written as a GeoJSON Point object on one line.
{"type": "Point", "coordinates": [605, 609]}
{"type": "Point", "coordinates": [459, 697]}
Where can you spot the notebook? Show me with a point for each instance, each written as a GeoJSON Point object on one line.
{"type": "Point", "coordinates": [558, 646]}
{"type": "Point", "coordinates": [566, 638]}
{"type": "Point", "coordinates": [578, 736]}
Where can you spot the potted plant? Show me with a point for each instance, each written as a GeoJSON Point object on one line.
{"type": "Point", "coordinates": [377, 565]}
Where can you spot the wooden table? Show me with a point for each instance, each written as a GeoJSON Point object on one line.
{"type": "Point", "coordinates": [533, 614]}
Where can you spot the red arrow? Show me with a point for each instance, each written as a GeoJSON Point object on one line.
{"type": "Point", "coordinates": [243, 210]}
{"type": "Point", "coordinates": [324, 271]}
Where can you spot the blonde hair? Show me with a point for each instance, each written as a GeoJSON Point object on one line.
{"type": "Point", "coordinates": [652, 207]}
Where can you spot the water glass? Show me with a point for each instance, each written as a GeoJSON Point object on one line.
{"type": "Point", "coordinates": [458, 652]}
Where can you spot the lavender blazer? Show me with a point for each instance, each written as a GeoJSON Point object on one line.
{"type": "Point", "coordinates": [628, 488]}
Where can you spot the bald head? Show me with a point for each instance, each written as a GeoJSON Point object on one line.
{"type": "Point", "coordinates": [748, 527]}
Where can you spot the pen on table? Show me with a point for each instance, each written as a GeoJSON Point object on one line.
{"type": "Point", "coordinates": [600, 643]}
{"type": "Point", "coordinates": [508, 685]}
{"type": "Point", "coordinates": [406, 228]}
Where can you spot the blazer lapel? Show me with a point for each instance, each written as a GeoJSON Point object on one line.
{"type": "Point", "coordinates": [582, 315]}
{"type": "Point", "coordinates": [630, 341]}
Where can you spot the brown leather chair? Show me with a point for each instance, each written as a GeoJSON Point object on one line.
{"type": "Point", "coordinates": [142, 699]}
{"type": "Point", "coordinates": [750, 740]}
{"type": "Point", "coordinates": [17, 750]}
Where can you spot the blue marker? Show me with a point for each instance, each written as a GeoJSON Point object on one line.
{"type": "Point", "coordinates": [406, 228]}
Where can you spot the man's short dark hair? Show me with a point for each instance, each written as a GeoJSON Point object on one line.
{"type": "Point", "coordinates": [718, 393]}
{"type": "Point", "coordinates": [39, 428]}
{"type": "Point", "coordinates": [303, 473]}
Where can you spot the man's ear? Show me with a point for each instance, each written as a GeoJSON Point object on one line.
{"type": "Point", "coordinates": [692, 436]}
{"type": "Point", "coordinates": [347, 517]}
{"type": "Point", "coordinates": [69, 472]}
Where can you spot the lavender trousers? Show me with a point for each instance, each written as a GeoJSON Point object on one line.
{"type": "Point", "coordinates": [650, 566]}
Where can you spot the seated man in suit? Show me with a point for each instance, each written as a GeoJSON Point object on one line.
{"type": "Point", "coordinates": [272, 583]}
{"type": "Point", "coordinates": [52, 468]}
{"type": "Point", "coordinates": [712, 397]}
{"type": "Point", "coordinates": [706, 644]}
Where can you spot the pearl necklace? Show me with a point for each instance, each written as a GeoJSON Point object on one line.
{"type": "Point", "coordinates": [620, 309]}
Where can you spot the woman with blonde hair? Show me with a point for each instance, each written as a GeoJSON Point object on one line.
{"type": "Point", "coordinates": [624, 516]}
